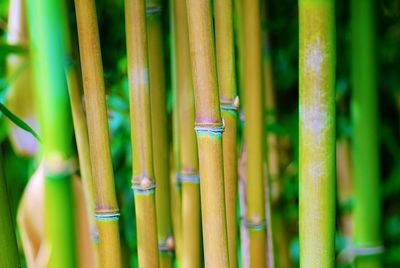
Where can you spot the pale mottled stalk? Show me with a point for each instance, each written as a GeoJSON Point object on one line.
{"type": "Point", "coordinates": [317, 133]}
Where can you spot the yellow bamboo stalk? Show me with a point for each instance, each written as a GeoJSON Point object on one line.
{"type": "Point", "coordinates": [254, 133]}
{"type": "Point", "coordinates": [229, 106]}
{"type": "Point", "coordinates": [189, 167]}
{"type": "Point", "coordinates": [107, 212]}
{"type": "Point", "coordinates": [209, 130]}
{"type": "Point", "coordinates": [143, 182]}
{"type": "Point", "coordinates": [82, 144]}
{"type": "Point", "coordinates": [159, 130]}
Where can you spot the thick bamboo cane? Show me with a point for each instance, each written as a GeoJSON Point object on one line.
{"type": "Point", "coordinates": [107, 212]}
{"type": "Point", "coordinates": [143, 182]}
{"type": "Point", "coordinates": [224, 41]}
{"type": "Point", "coordinates": [159, 130]}
{"type": "Point", "coordinates": [254, 133]}
{"type": "Point", "coordinates": [209, 128]}
{"type": "Point", "coordinates": [47, 22]}
{"type": "Point", "coordinates": [9, 257]}
{"type": "Point", "coordinates": [364, 108]}
{"type": "Point", "coordinates": [317, 132]}
{"type": "Point", "coordinates": [189, 167]}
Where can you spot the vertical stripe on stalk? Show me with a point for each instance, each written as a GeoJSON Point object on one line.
{"type": "Point", "coordinates": [143, 182]}
{"type": "Point", "coordinates": [107, 211]}
{"type": "Point", "coordinates": [229, 105]}
{"type": "Point", "coordinates": [367, 212]}
{"type": "Point", "coordinates": [209, 129]}
{"type": "Point", "coordinates": [317, 132]}
{"type": "Point", "coordinates": [159, 130]}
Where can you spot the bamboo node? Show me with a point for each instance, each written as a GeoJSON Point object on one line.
{"type": "Point", "coordinates": [143, 185]}
{"type": "Point", "coordinates": [209, 127]}
{"type": "Point", "coordinates": [166, 246]}
{"type": "Point", "coordinates": [189, 178]}
{"type": "Point", "coordinates": [107, 215]}
{"type": "Point", "coordinates": [255, 226]}
{"type": "Point", "coordinates": [230, 105]}
{"type": "Point", "coordinates": [152, 11]}
{"type": "Point", "coordinates": [56, 165]}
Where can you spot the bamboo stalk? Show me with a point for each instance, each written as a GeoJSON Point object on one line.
{"type": "Point", "coordinates": [364, 107]}
{"type": "Point", "coordinates": [107, 212]}
{"type": "Point", "coordinates": [159, 130]}
{"type": "Point", "coordinates": [254, 133]}
{"type": "Point", "coordinates": [209, 130]}
{"type": "Point", "coordinates": [188, 158]}
{"type": "Point", "coordinates": [143, 182]}
{"type": "Point", "coordinates": [82, 143]}
{"type": "Point", "coordinates": [46, 19]}
{"type": "Point", "coordinates": [229, 109]}
{"type": "Point", "coordinates": [176, 196]}
{"type": "Point", "coordinates": [9, 257]}
{"type": "Point", "coordinates": [317, 132]}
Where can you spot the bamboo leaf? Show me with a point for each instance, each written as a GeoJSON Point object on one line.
{"type": "Point", "coordinates": [19, 122]}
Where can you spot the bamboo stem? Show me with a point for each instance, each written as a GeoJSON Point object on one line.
{"type": "Point", "coordinates": [364, 107]}
{"type": "Point", "coordinates": [107, 212]}
{"type": "Point", "coordinates": [188, 158]}
{"type": "Point", "coordinates": [254, 133]}
{"type": "Point", "coordinates": [317, 133]}
{"type": "Point", "coordinates": [47, 23]}
{"type": "Point", "coordinates": [159, 130]}
{"type": "Point", "coordinates": [229, 109]}
{"type": "Point", "coordinates": [209, 129]}
{"type": "Point", "coordinates": [176, 196]}
{"type": "Point", "coordinates": [9, 257]}
{"type": "Point", "coordinates": [82, 143]}
{"type": "Point", "coordinates": [143, 182]}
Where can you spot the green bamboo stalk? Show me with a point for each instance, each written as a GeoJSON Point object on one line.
{"type": "Point", "coordinates": [176, 196]}
{"type": "Point", "coordinates": [143, 182]}
{"type": "Point", "coordinates": [224, 41]}
{"type": "Point", "coordinates": [317, 132]}
{"type": "Point", "coordinates": [46, 19]}
{"type": "Point", "coordinates": [254, 133]}
{"type": "Point", "coordinates": [9, 257]}
{"type": "Point", "coordinates": [364, 107]}
{"type": "Point", "coordinates": [107, 212]}
{"type": "Point", "coordinates": [209, 128]}
{"type": "Point", "coordinates": [188, 158]}
{"type": "Point", "coordinates": [159, 130]}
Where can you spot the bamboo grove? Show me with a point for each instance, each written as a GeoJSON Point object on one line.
{"type": "Point", "coordinates": [180, 134]}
